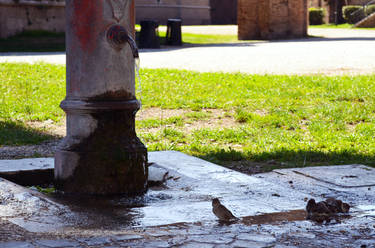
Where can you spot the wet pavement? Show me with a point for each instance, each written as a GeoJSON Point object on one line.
{"type": "Point", "coordinates": [178, 212]}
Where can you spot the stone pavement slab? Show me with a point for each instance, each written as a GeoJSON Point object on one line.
{"type": "Point", "coordinates": [179, 213]}
{"type": "Point", "coordinates": [27, 164]}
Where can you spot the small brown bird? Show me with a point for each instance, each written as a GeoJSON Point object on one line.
{"type": "Point", "coordinates": [319, 208]}
{"type": "Point", "coordinates": [345, 207]}
{"type": "Point", "coordinates": [337, 206]}
{"type": "Point", "coordinates": [221, 211]}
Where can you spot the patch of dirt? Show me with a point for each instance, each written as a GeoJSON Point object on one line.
{"type": "Point", "coordinates": [216, 118]}
{"type": "Point", "coordinates": [56, 129]}
{"type": "Point", "coordinates": [261, 112]}
{"type": "Point", "coordinates": [46, 149]}
{"type": "Point", "coordinates": [159, 113]}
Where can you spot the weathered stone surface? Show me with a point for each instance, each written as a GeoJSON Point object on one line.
{"type": "Point", "coordinates": [28, 171]}
{"type": "Point", "coordinates": [195, 225]}
{"type": "Point", "coordinates": [212, 239]}
{"type": "Point", "coordinates": [256, 237]}
{"type": "Point", "coordinates": [246, 244]}
{"type": "Point", "coordinates": [101, 154]}
{"type": "Point", "coordinates": [157, 244]}
{"type": "Point", "coordinates": [18, 16]}
{"type": "Point", "coordinates": [57, 243]}
{"type": "Point", "coordinates": [127, 237]}
{"type": "Point", "coordinates": [96, 240]}
{"type": "Point", "coordinates": [192, 12]}
{"type": "Point", "coordinates": [198, 245]}
{"type": "Point", "coordinates": [272, 19]}
{"type": "Point", "coordinates": [18, 244]}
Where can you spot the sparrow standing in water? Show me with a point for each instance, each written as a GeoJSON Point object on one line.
{"type": "Point", "coordinates": [221, 211]}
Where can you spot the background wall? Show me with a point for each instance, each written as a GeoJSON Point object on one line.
{"type": "Point", "coordinates": [24, 15]}
{"type": "Point", "coordinates": [192, 12]}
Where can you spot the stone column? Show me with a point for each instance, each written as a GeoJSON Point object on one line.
{"type": "Point", "coordinates": [101, 153]}
{"type": "Point", "coordinates": [272, 19]}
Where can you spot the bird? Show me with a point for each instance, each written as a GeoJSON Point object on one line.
{"type": "Point", "coordinates": [337, 206]}
{"type": "Point", "coordinates": [345, 208]}
{"type": "Point", "coordinates": [319, 208]}
{"type": "Point", "coordinates": [221, 211]}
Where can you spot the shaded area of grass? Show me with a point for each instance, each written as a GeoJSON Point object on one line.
{"type": "Point", "coordinates": [34, 41]}
{"type": "Point", "coordinates": [289, 158]}
{"type": "Point", "coordinates": [15, 133]}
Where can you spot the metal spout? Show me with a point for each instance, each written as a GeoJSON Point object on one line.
{"type": "Point", "coordinates": [133, 46]}
{"type": "Point", "coordinates": [118, 36]}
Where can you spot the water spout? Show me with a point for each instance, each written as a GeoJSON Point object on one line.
{"type": "Point", "coordinates": [133, 47]}
{"type": "Point", "coordinates": [117, 36]}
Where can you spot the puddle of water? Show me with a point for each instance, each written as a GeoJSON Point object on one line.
{"type": "Point", "coordinates": [294, 215]}
{"type": "Point", "coordinates": [366, 211]}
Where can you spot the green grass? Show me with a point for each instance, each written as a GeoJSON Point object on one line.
{"type": "Point", "coordinates": [204, 39]}
{"type": "Point", "coordinates": [339, 26]}
{"type": "Point", "coordinates": [198, 39]}
{"type": "Point", "coordinates": [17, 133]}
{"type": "Point", "coordinates": [297, 120]}
{"type": "Point", "coordinates": [31, 92]}
{"type": "Point", "coordinates": [34, 41]}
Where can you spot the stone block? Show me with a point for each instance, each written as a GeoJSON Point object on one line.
{"type": "Point", "coordinates": [272, 19]}
{"type": "Point", "coordinates": [17, 17]}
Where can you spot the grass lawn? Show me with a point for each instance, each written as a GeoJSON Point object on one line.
{"type": "Point", "coordinates": [34, 41]}
{"type": "Point", "coordinates": [222, 117]}
{"type": "Point", "coordinates": [340, 26]}
{"type": "Point", "coordinates": [204, 39]}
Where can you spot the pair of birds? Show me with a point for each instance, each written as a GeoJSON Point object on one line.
{"type": "Point", "coordinates": [330, 206]}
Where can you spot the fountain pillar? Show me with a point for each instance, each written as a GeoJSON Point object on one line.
{"type": "Point", "coordinates": [101, 153]}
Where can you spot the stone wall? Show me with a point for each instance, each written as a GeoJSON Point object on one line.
{"type": "Point", "coordinates": [272, 19]}
{"type": "Point", "coordinates": [223, 11]}
{"type": "Point", "coordinates": [23, 15]}
{"type": "Point", "coordinates": [192, 12]}
{"type": "Point", "coordinates": [332, 7]}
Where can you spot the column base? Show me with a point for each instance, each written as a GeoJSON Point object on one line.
{"type": "Point", "coordinates": [101, 153]}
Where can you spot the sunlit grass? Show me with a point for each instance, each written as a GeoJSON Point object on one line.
{"type": "Point", "coordinates": [298, 120]}
{"type": "Point", "coordinates": [339, 26]}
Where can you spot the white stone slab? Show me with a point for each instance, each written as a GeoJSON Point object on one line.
{"type": "Point", "coordinates": [346, 176]}
{"type": "Point", "coordinates": [9, 166]}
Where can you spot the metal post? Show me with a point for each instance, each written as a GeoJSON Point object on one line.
{"type": "Point", "coordinates": [101, 153]}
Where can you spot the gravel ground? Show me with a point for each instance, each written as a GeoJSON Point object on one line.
{"type": "Point", "coordinates": [46, 149]}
